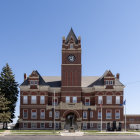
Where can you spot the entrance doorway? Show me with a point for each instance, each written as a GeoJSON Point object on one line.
{"type": "Point", "coordinates": [71, 121]}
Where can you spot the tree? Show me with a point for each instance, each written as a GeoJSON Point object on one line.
{"type": "Point", "coordinates": [5, 115]}
{"type": "Point", "coordinates": [9, 89]}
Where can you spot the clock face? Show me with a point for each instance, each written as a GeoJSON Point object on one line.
{"type": "Point", "coordinates": [71, 58]}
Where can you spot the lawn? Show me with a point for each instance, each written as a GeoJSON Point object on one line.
{"type": "Point", "coordinates": [34, 131]}
{"type": "Point", "coordinates": [1, 130]}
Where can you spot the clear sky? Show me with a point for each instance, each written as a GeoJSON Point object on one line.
{"type": "Point", "coordinates": [31, 38]}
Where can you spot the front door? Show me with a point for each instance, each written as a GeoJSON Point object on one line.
{"type": "Point", "coordinates": [71, 121]}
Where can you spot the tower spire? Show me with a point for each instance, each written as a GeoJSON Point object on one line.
{"type": "Point", "coordinates": [71, 34]}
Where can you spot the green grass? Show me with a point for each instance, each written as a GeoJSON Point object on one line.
{"type": "Point", "coordinates": [51, 131]}
{"type": "Point", "coordinates": [90, 131]}
{"type": "Point", "coordinates": [1, 130]}
{"type": "Point", "coordinates": [96, 133]}
{"type": "Point", "coordinates": [33, 133]}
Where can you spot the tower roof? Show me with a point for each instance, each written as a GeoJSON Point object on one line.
{"type": "Point", "coordinates": [71, 34]}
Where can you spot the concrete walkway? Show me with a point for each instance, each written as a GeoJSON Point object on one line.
{"type": "Point", "coordinates": [6, 132]}
{"type": "Point", "coordinates": [67, 133]}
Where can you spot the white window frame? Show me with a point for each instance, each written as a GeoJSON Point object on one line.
{"type": "Point", "coordinates": [42, 117]}
{"type": "Point", "coordinates": [57, 125]}
{"type": "Point", "coordinates": [71, 46]}
{"type": "Point", "coordinates": [100, 99]}
{"type": "Point", "coordinates": [50, 124]}
{"type": "Point", "coordinates": [108, 101]}
{"type": "Point", "coordinates": [32, 114]}
{"type": "Point", "coordinates": [33, 82]}
{"type": "Point", "coordinates": [87, 103]}
{"type": "Point", "coordinates": [99, 114]}
{"type": "Point", "coordinates": [25, 101]}
{"type": "Point", "coordinates": [41, 126]}
{"type": "Point", "coordinates": [110, 82]}
{"type": "Point", "coordinates": [116, 115]}
{"type": "Point", "coordinates": [117, 99]}
{"type": "Point", "coordinates": [91, 125]}
{"type": "Point", "coordinates": [42, 101]}
{"type": "Point", "coordinates": [84, 114]}
{"type": "Point", "coordinates": [25, 126]}
{"type": "Point", "coordinates": [33, 101]}
{"type": "Point", "coordinates": [35, 124]}
{"type": "Point", "coordinates": [57, 114]}
{"type": "Point", "coordinates": [108, 118]}
{"type": "Point", "coordinates": [84, 125]}
{"type": "Point", "coordinates": [50, 114]}
{"type": "Point", "coordinates": [74, 99]}
{"type": "Point", "coordinates": [99, 126]}
{"type": "Point", "coordinates": [67, 99]}
{"type": "Point", "coordinates": [23, 114]}
{"type": "Point", "coordinates": [91, 114]}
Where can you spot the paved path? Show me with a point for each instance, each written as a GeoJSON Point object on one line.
{"type": "Point", "coordinates": [66, 133]}
{"type": "Point", "coordinates": [6, 132]}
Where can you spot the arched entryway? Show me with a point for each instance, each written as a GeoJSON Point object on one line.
{"type": "Point", "coordinates": [71, 119]}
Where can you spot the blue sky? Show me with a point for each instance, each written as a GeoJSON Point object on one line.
{"type": "Point", "coordinates": [31, 38]}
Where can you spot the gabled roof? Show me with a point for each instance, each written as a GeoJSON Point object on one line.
{"type": "Point", "coordinates": [71, 35]}
{"type": "Point", "coordinates": [41, 80]}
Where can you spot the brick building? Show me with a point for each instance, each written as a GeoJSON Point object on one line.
{"type": "Point", "coordinates": [77, 99]}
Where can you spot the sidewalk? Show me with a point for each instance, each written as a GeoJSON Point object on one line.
{"type": "Point", "coordinates": [6, 132]}
{"type": "Point", "coordinates": [67, 133]}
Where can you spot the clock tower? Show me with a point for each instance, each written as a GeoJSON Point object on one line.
{"type": "Point", "coordinates": [71, 65]}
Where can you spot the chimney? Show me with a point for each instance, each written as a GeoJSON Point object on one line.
{"type": "Point", "coordinates": [118, 76]}
{"type": "Point", "coordinates": [25, 76]}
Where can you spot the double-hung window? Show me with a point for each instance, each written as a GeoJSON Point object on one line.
{"type": "Point", "coordinates": [85, 115]}
{"type": "Point", "coordinates": [33, 99]}
{"type": "Point", "coordinates": [117, 99]}
{"type": "Point", "coordinates": [25, 99]}
{"type": "Point", "coordinates": [67, 99]}
{"type": "Point", "coordinates": [74, 99]}
{"type": "Point", "coordinates": [108, 114]}
{"type": "Point", "coordinates": [100, 99]}
{"type": "Point", "coordinates": [109, 99]}
{"type": "Point", "coordinates": [42, 114]}
{"type": "Point", "coordinates": [42, 99]}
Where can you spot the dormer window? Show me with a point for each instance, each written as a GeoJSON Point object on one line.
{"type": "Point", "coordinates": [71, 46]}
{"type": "Point", "coordinates": [109, 82]}
{"type": "Point", "coordinates": [33, 82]}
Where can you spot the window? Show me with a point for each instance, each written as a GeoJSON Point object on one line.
{"type": "Point", "coordinates": [87, 101]}
{"type": "Point", "coordinates": [109, 99]}
{"type": "Point", "coordinates": [32, 82]}
{"type": "Point", "coordinates": [33, 125]}
{"type": "Point", "coordinates": [91, 125]}
{"type": "Point", "coordinates": [84, 125]}
{"type": "Point", "coordinates": [57, 125]}
{"type": "Point", "coordinates": [56, 102]}
{"type": "Point", "coordinates": [42, 125]}
{"type": "Point", "coordinates": [74, 99]}
{"type": "Point", "coordinates": [109, 82]}
{"type": "Point", "coordinates": [57, 114]}
{"type": "Point", "coordinates": [50, 124]}
{"type": "Point", "coordinates": [100, 99]}
{"type": "Point", "coordinates": [42, 114]}
{"type": "Point", "coordinates": [25, 114]}
{"type": "Point", "coordinates": [91, 114]}
{"type": "Point", "coordinates": [99, 114]}
{"type": "Point", "coordinates": [117, 114]}
{"type": "Point", "coordinates": [25, 125]}
{"type": "Point", "coordinates": [42, 99]}
{"type": "Point", "coordinates": [34, 114]}
{"type": "Point", "coordinates": [33, 99]}
{"type": "Point", "coordinates": [117, 99]}
{"type": "Point", "coordinates": [67, 99]}
{"type": "Point", "coordinates": [99, 126]}
{"type": "Point", "coordinates": [108, 114]}
{"type": "Point", "coordinates": [25, 99]}
{"type": "Point", "coordinates": [84, 115]}
{"type": "Point", "coordinates": [50, 114]}
{"type": "Point", "coordinates": [71, 46]}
